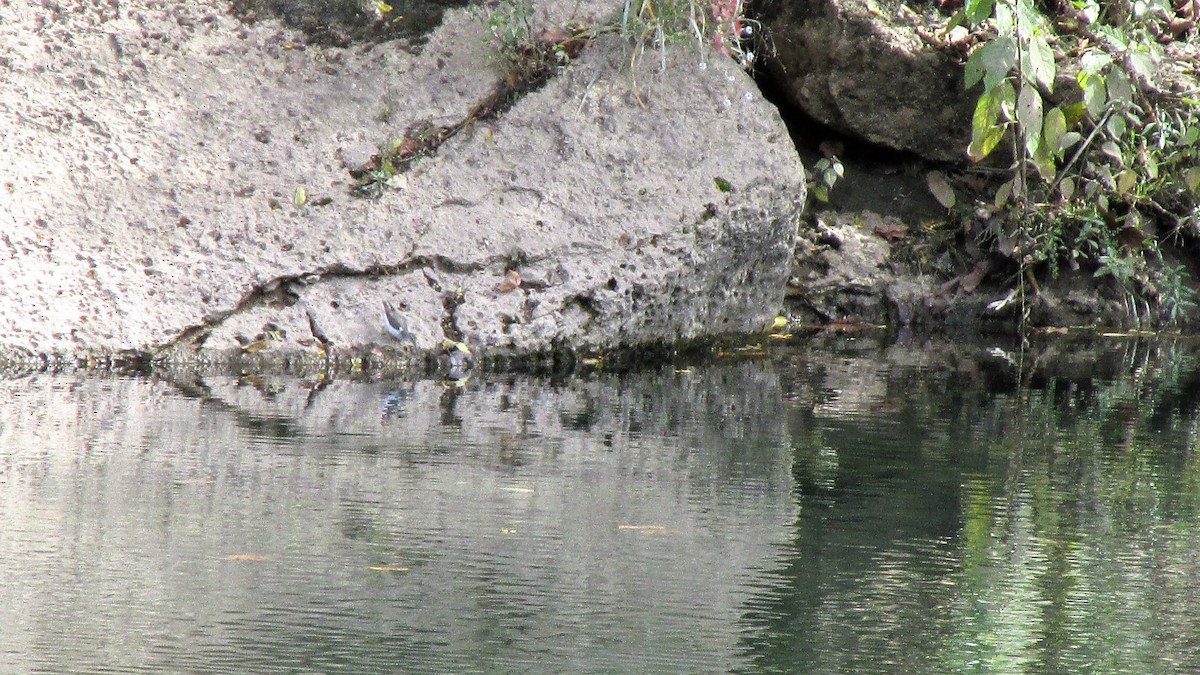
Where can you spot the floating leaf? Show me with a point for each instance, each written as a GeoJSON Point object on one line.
{"type": "Point", "coordinates": [940, 189]}
{"type": "Point", "coordinates": [651, 529]}
{"type": "Point", "coordinates": [779, 322]}
{"type": "Point", "coordinates": [388, 568]}
{"type": "Point", "coordinates": [383, 7]}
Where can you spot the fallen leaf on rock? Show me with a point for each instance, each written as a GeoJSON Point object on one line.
{"type": "Point", "coordinates": [1131, 237]}
{"type": "Point", "coordinates": [940, 189]}
{"type": "Point", "coordinates": [969, 282]}
{"type": "Point", "coordinates": [510, 283]}
{"type": "Point", "coordinates": [892, 231]}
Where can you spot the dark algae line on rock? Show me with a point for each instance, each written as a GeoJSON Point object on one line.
{"type": "Point", "coordinates": [340, 23]}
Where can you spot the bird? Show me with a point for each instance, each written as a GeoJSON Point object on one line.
{"type": "Point", "coordinates": [395, 324]}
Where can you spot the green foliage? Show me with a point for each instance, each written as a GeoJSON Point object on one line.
{"type": "Point", "coordinates": [824, 175]}
{"type": "Point", "coordinates": [1093, 168]}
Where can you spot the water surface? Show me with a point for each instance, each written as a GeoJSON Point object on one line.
{"type": "Point", "coordinates": [833, 507]}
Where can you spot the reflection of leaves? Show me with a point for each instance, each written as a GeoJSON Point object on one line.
{"type": "Point", "coordinates": [256, 346]}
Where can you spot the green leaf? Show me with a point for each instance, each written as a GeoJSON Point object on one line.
{"type": "Point", "coordinates": [987, 113]}
{"type": "Point", "coordinates": [1189, 137]}
{"type": "Point", "coordinates": [722, 184]}
{"type": "Point", "coordinates": [1095, 96]}
{"type": "Point", "coordinates": [1126, 180]}
{"type": "Point", "coordinates": [1043, 161]}
{"type": "Point", "coordinates": [1075, 112]}
{"type": "Point", "coordinates": [992, 63]}
{"type": "Point", "coordinates": [1068, 140]}
{"type": "Point", "coordinates": [984, 145]}
{"type": "Point", "coordinates": [1004, 19]}
{"type": "Point", "coordinates": [1191, 178]}
{"type": "Point", "coordinates": [1116, 126]}
{"type": "Point", "coordinates": [974, 69]}
{"type": "Point", "coordinates": [1041, 62]}
{"type": "Point", "coordinates": [1142, 65]}
{"type": "Point", "coordinates": [1119, 86]}
{"type": "Point", "coordinates": [1002, 194]}
{"type": "Point", "coordinates": [1067, 188]}
{"type": "Point", "coordinates": [1094, 60]}
{"type": "Point", "coordinates": [1007, 96]}
{"type": "Point", "coordinates": [978, 10]}
{"type": "Point", "coordinates": [1112, 150]}
{"type": "Point", "coordinates": [1053, 129]}
{"type": "Point", "coordinates": [1029, 117]}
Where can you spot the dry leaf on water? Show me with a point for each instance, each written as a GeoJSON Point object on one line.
{"type": "Point", "coordinates": [649, 529]}
{"type": "Point", "coordinates": [388, 568]}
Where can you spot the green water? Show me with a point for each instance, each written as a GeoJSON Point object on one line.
{"type": "Point", "coordinates": [832, 506]}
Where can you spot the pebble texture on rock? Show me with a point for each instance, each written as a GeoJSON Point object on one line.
{"type": "Point", "coordinates": [154, 150]}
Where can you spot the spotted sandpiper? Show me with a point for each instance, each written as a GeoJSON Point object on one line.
{"type": "Point", "coordinates": [395, 324]}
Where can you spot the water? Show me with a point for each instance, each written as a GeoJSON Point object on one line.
{"type": "Point", "coordinates": [825, 508]}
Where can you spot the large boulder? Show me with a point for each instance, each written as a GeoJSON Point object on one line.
{"type": "Point", "coordinates": [154, 153]}
{"type": "Point", "coordinates": [862, 67]}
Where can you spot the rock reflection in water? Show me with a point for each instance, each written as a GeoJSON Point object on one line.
{"type": "Point", "coordinates": [610, 523]}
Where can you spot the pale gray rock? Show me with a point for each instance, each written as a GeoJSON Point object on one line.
{"type": "Point", "coordinates": [151, 191]}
